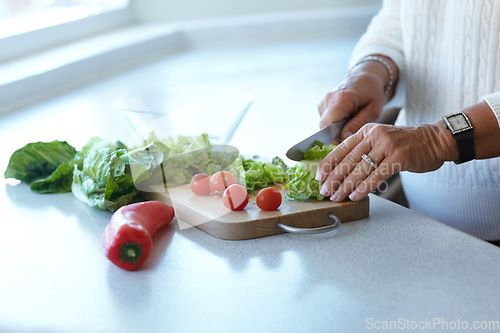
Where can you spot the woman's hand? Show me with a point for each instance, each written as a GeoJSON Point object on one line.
{"type": "Point", "coordinates": [392, 149]}
{"type": "Point", "coordinates": [361, 96]}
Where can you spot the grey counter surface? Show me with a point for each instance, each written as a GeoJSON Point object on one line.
{"type": "Point", "coordinates": [395, 269]}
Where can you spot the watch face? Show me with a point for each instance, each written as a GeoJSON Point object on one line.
{"type": "Point", "coordinates": [458, 122]}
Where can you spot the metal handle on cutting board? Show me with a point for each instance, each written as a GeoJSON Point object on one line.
{"type": "Point", "coordinates": [317, 230]}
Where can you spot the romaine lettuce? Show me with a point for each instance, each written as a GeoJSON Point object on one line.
{"type": "Point", "coordinates": [58, 182]}
{"type": "Point", "coordinates": [105, 180]}
{"type": "Point", "coordinates": [145, 164]}
{"type": "Point", "coordinates": [38, 160]}
{"type": "Point", "coordinates": [191, 155]}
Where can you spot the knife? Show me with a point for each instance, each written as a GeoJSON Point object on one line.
{"type": "Point", "coordinates": [325, 135]}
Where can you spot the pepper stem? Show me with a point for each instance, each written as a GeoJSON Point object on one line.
{"type": "Point", "coordinates": [131, 252]}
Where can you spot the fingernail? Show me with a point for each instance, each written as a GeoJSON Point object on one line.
{"type": "Point", "coordinates": [324, 190]}
{"type": "Point", "coordinates": [334, 196]}
{"type": "Point", "coordinates": [319, 175]}
{"type": "Point", "coordinates": [354, 196]}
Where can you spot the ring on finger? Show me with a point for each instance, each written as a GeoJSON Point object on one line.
{"type": "Point", "coordinates": [368, 160]}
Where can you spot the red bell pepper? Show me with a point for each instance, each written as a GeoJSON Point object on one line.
{"type": "Point", "coordinates": [127, 240]}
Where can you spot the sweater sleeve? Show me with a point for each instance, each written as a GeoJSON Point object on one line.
{"type": "Point", "coordinates": [384, 36]}
{"type": "Point", "coordinates": [493, 101]}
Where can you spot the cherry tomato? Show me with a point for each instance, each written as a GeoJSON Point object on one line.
{"type": "Point", "coordinates": [200, 184]}
{"type": "Point", "coordinates": [268, 198]}
{"type": "Point", "coordinates": [235, 197]}
{"type": "Point", "coordinates": [220, 181]}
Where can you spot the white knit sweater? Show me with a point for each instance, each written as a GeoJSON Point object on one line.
{"type": "Point", "coordinates": [448, 54]}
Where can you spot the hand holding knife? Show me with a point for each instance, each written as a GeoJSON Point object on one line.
{"type": "Point", "coordinates": [325, 135]}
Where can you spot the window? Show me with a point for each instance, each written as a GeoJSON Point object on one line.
{"type": "Point", "coordinates": [19, 16]}
{"type": "Point", "coordinates": [31, 26]}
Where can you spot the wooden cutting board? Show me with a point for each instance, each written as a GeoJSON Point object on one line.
{"type": "Point", "coordinates": [209, 214]}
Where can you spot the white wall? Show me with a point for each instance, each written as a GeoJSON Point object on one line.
{"type": "Point", "coordinates": [181, 10]}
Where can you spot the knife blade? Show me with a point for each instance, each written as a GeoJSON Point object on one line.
{"type": "Point", "coordinates": [325, 135]}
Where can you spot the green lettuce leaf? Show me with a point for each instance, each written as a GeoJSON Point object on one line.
{"type": "Point", "coordinates": [38, 160]}
{"type": "Point", "coordinates": [318, 152]}
{"type": "Point", "coordinates": [189, 155]}
{"type": "Point", "coordinates": [58, 182]}
{"type": "Point", "coordinates": [262, 174]}
{"type": "Point", "coordinates": [105, 180]}
{"type": "Point", "coordinates": [145, 163]}
{"type": "Point", "coordinates": [93, 144]}
{"type": "Point", "coordinates": [107, 175]}
{"type": "Point", "coordinates": [301, 182]}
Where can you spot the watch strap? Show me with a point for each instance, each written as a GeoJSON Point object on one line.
{"type": "Point", "coordinates": [465, 143]}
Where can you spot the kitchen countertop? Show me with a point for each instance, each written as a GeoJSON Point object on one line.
{"type": "Point", "coordinates": [395, 267]}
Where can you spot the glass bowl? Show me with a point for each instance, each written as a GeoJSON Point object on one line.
{"type": "Point", "coordinates": [191, 111]}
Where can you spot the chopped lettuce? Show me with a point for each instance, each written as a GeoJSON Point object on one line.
{"type": "Point", "coordinates": [259, 174]}
{"type": "Point", "coordinates": [38, 160]}
{"type": "Point", "coordinates": [302, 184]}
{"type": "Point", "coordinates": [318, 152]}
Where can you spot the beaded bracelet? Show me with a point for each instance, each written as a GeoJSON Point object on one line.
{"type": "Point", "coordinates": [388, 88]}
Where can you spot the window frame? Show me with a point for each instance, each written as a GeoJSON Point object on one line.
{"type": "Point", "coordinates": [27, 43]}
